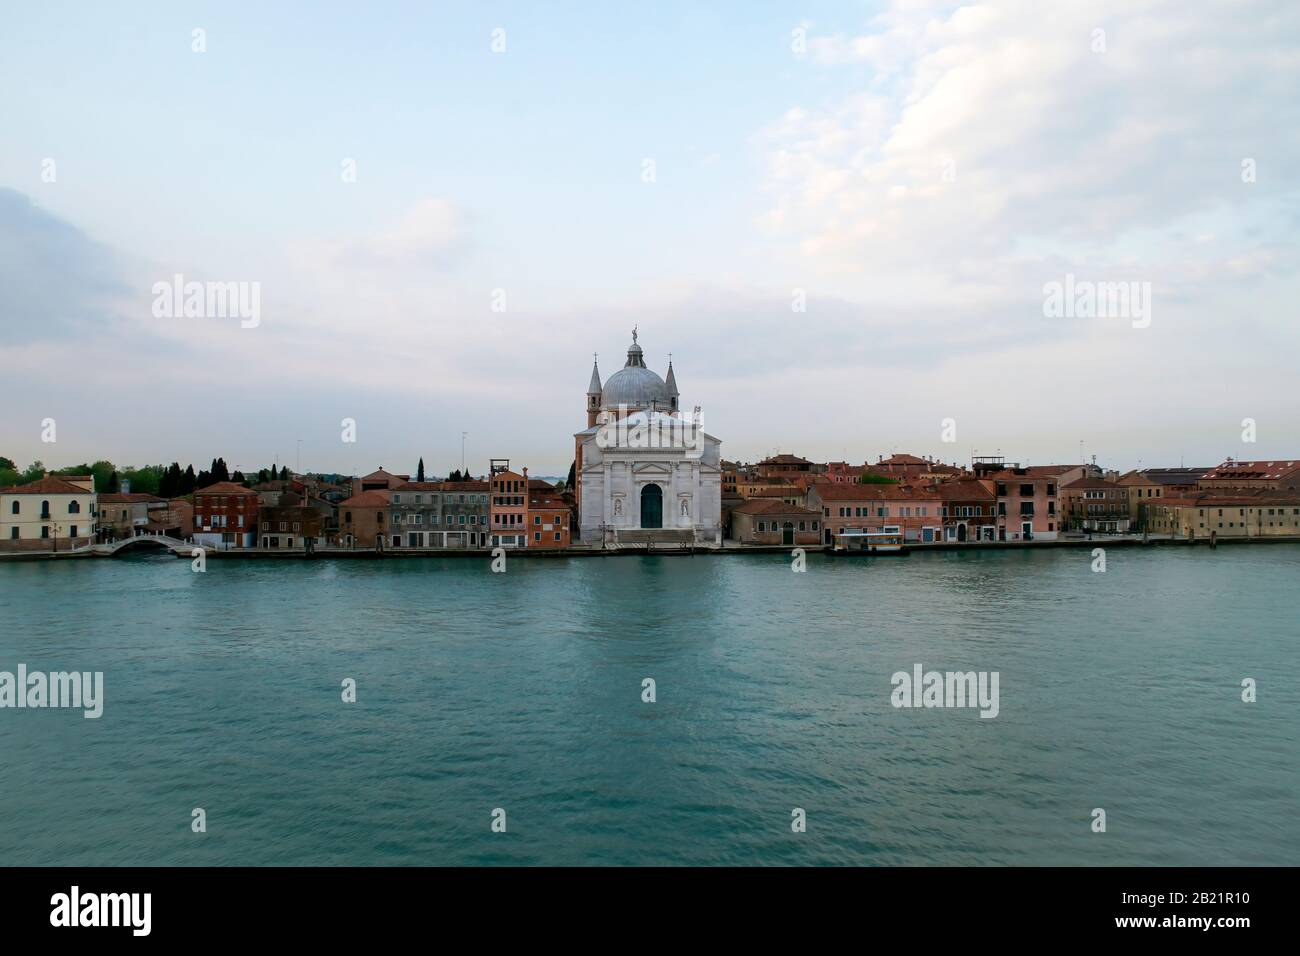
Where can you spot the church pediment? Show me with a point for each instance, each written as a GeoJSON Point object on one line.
{"type": "Point", "coordinates": [651, 468]}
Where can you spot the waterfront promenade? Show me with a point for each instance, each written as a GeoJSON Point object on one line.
{"type": "Point", "coordinates": [185, 549]}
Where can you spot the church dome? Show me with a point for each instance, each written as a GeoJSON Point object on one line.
{"type": "Point", "coordinates": [635, 385]}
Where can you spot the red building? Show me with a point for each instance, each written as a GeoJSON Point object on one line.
{"type": "Point", "coordinates": [969, 509]}
{"type": "Point", "coordinates": [225, 516]}
{"type": "Point", "coordinates": [549, 518]}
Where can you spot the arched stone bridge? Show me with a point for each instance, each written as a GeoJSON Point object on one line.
{"type": "Point", "coordinates": [142, 542]}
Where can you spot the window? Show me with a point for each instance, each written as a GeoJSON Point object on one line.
{"type": "Point", "coordinates": [74, 507]}
{"type": "Point", "coordinates": [45, 509]}
{"type": "Point", "coordinates": [537, 519]}
{"type": "Point", "coordinates": [13, 509]}
{"type": "Point", "coordinates": [13, 532]}
{"type": "Point", "coordinates": [537, 536]}
{"type": "Point", "coordinates": [397, 499]}
{"type": "Point", "coordinates": [347, 517]}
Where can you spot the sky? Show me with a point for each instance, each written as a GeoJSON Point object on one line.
{"type": "Point", "coordinates": [842, 220]}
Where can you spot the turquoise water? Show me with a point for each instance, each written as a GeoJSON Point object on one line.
{"type": "Point", "coordinates": [523, 691]}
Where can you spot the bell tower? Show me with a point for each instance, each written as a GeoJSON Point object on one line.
{"type": "Point", "coordinates": [593, 393]}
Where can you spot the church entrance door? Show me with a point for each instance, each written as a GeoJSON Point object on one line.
{"type": "Point", "coordinates": [652, 507]}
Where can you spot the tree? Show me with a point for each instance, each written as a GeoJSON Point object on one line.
{"type": "Point", "coordinates": [189, 482]}
{"type": "Point", "coordinates": [101, 470]}
{"type": "Point", "coordinates": [871, 478]}
{"type": "Point", "coordinates": [284, 473]}
{"type": "Point", "coordinates": [144, 481]}
{"type": "Point", "coordinates": [169, 483]}
{"type": "Point", "coordinates": [7, 464]}
{"type": "Point", "coordinates": [419, 471]}
{"type": "Point", "coordinates": [573, 474]}
{"type": "Point", "coordinates": [114, 483]}
{"type": "Point", "coordinates": [34, 472]}
{"type": "Point", "coordinates": [238, 478]}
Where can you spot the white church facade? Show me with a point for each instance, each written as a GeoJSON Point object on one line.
{"type": "Point", "coordinates": [643, 470]}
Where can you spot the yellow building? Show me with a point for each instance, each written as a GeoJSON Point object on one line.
{"type": "Point", "coordinates": [1145, 487]}
{"type": "Point", "coordinates": [50, 514]}
{"type": "Point", "coordinates": [1226, 516]}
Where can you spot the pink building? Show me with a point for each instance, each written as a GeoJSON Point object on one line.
{"type": "Point", "coordinates": [1029, 504]}
{"type": "Point", "coordinates": [915, 512]}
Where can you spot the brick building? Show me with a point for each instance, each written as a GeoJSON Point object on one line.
{"type": "Point", "coordinates": [1096, 505]}
{"type": "Point", "coordinates": [291, 524]}
{"type": "Point", "coordinates": [225, 516]}
{"type": "Point", "coordinates": [969, 509]}
{"type": "Point", "coordinates": [550, 521]}
{"type": "Point", "coordinates": [363, 520]}
{"type": "Point", "coordinates": [774, 522]}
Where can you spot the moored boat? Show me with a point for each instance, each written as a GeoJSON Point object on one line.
{"type": "Point", "coordinates": [861, 543]}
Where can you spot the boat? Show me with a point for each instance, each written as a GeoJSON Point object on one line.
{"type": "Point", "coordinates": [855, 543]}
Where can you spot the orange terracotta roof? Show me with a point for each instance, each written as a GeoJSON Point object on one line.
{"type": "Point", "coordinates": [764, 506]}
{"type": "Point", "coordinates": [374, 498]}
{"type": "Point", "coordinates": [465, 486]}
{"type": "Point", "coordinates": [871, 492]}
{"type": "Point", "coordinates": [46, 486]}
{"type": "Point", "coordinates": [963, 488]}
{"type": "Point", "coordinates": [226, 488]}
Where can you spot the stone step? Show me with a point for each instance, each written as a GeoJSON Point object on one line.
{"type": "Point", "coordinates": [678, 536]}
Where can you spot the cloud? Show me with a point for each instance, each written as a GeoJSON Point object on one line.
{"type": "Point", "coordinates": [429, 235]}
{"type": "Point", "coordinates": [55, 281]}
{"type": "Point", "coordinates": [994, 134]}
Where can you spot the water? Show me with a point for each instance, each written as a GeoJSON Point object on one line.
{"type": "Point", "coordinates": [523, 691]}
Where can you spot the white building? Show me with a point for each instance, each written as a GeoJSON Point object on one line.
{"type": "Point", "coordinates": [48, 514]}
{"type": "Point", "coordinates": [641, 466]}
